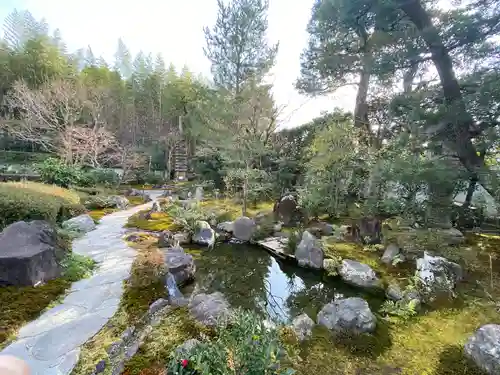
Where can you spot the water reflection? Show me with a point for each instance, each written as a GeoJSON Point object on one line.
{"type": "Point", "coordinates": [251, 278]}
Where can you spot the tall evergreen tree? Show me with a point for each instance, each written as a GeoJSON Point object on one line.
{"type": "Point", "coordinates": [237, 45]}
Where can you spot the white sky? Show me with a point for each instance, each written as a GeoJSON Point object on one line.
{"type": "Point", "coordinates": [175, 29]}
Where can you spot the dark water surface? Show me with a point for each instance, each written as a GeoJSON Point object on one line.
{"type": "Point", "coordinates": [251, 278]}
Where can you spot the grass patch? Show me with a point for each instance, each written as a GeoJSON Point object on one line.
{"type": "Point", "coordinates": [98, 214]}
{"type": "Point", "coordinates": [160, 221]}
{"type": "Point", "coordinates": [136, 201]}
{"type": "Point", "coordinates": [21, 305]}
{"type": "Point", "coordinates": [143, 288]}
{"type": "Point", "coordinates": [232, 209]}
{"type": "Point", "coordinates": [68, 195]}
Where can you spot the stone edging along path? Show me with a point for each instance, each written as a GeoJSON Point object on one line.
{"type": "Point", "coordinates": [51, 343]}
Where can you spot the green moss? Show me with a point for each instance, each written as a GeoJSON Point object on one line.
{"type": "Point", "coordinates": [175, 328]}
{"type": "Point", "coordinates": [159, 221]}
{"type": "Point", "coordinates": [143, 288]}
{"type": "Point", "coordinates": [354, 251]}
{"type": "Point", "coordinates": [98, 214]}
{"type": "Point", "coordinates": [21, 305]}
{"type": "Point", "coordinates": [136, 201]}
{"type": "Point", "coordinates": [232, 210]}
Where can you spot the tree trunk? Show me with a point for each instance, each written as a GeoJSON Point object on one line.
{"type": "Point", "coordinates": [458, 122]}
{"type": "Point", "coordinates": [245, 193]}
{"type": "Point", "coordinates": [361, 108]}
{"type": "Point", "coordinates": [470, 192]}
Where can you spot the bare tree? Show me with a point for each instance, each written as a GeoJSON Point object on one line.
{"type": "Point", "coordinates": [42, 115]}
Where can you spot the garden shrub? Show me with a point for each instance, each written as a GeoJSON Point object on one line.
{"type": "Point", "coordinates": [54, 171]}
{"type": "Point", "coordinates": [243, 346]}
{"type": "Point", "coordinates": [31, 201]}
{"type": "Point", "coordinates": [69, 210]}
{"type": "Point", "coordinates": [103, 176]}
{"type": "Point", "coordinates": [97, 202]}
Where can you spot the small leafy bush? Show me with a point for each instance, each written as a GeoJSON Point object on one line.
{"type": "Point", "coordinates": [54, 171]}
{"type": "Point", "coordinates": [187, 217]}
{"type": "Point", "coordinates": [76, 267]}
{"type": "Point", "coordinates": [103, 176]}
{"type": "Point", "coordinates": [402, 309]}
{"type": "Point", "coordinates": [69, 210]}
{"type": "Point", "coordinates": [243, 346]}
{"type": "Point", "coordinates": [332, 265]}
{"type": "Point", "coordinates": [98, 202]}
{"type": "Point", "coordinates": [294, 240]}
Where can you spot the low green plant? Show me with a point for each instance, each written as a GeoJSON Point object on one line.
{"type": "Point", "coordinates": [102, 176]}
{"type": "Point", "coordinates": [55, 171]}
{"type": "Point", "coordinates": [242, 346]}
{"type": "Point", "coordinates": [187, 217]}
{"type": "Point", "coordinates": [332, 265]}
{"type": "Point", "coordinates": [76, 267]}
{"type": "Point", "coordinates": [403, 309]}
{"type": "Point", "coordinates": [294, 240]}
{"type": "Point", "coordinates": [98, 202]}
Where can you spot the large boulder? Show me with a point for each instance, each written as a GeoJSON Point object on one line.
{"type": "Point", "coordinates": [204, 234]}
{"type": "Point", "coordinates": [483, 347]}
{"type": "Point", "coordinates": [370, 230]}
{"type": "Point", "coordinates": [82, 223]}
{"type": "Point", "coordinates": [438, 275]}
{"type": "Point", "coordinates": [208, 309]}
{"type": "Point", "coordinates": [28, 253]}
{"type": "Point", "coordinates": [348, 315]}
{"type": "Point", "coordinates": [243, 228]}
{"type": "Point", "coordinates": [358, 274]}
{"type": "Point", "coordinates": [118, 201]}
{"type": "Point", "coordinates": [309, 252]}
{"type": "Point", "coordinates": [138, 193]}
{"type": "Point", "coordinates": [286, 209]}
{"type": "Point", "coordinates": [180, 265]}
{"type": "Point", "coordinates": [302, 325]}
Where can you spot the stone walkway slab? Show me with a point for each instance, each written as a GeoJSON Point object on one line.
{"type": "Point", "coordinates": [51, 343]}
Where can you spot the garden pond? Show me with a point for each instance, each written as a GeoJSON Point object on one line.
{"type": "Point", "coordinates": [251, 278]}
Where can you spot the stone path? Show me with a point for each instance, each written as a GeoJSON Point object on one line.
{"type": "Point", "coordinates": [51, 343]}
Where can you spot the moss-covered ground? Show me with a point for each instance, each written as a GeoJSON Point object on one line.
{"type": "Point", "coordinates": [20, 305]}
{"type": "Point", "coordinates": [431, 343]}
{"type": "Point", "coordinates": [143, 288]}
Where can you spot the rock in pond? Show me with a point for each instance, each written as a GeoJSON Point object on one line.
{"type": "Point", "coordinates": [180, 265]}
{"type": "Point", "coordinates": [309, 252]}
{"type": "Point", "coordinates": [208, 309]}
{"type": "Point", "coordinates": [302, 326]}
{"type": "Point", "coordinates": [243, 228]}
{"type": "Point", "coordinates": [350, 315]}
{"type": "Point", "coordinates": [438, 274]}
{"type": "Point", "coordinates": [82, 223]}
{"type": "Point", "coordinates": [204, 234]}
{"type": "Point", "coordinates": [483, 347]}
{"type": "Point", "coordinates": [226, 226]}
{"type": "Point", "coordinates": [29, 253]}
{"type": "Point", "coordinates": [358, 274]}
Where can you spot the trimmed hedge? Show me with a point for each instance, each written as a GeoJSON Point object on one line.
{"type": "Point", "coordinates": [32, 201]}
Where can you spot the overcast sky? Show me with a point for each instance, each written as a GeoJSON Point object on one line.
{"type": "Point", "coordinates": [175, 28]}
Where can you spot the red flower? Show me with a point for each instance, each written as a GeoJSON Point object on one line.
{"type": "Point", "coordinates": [184, 363]}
